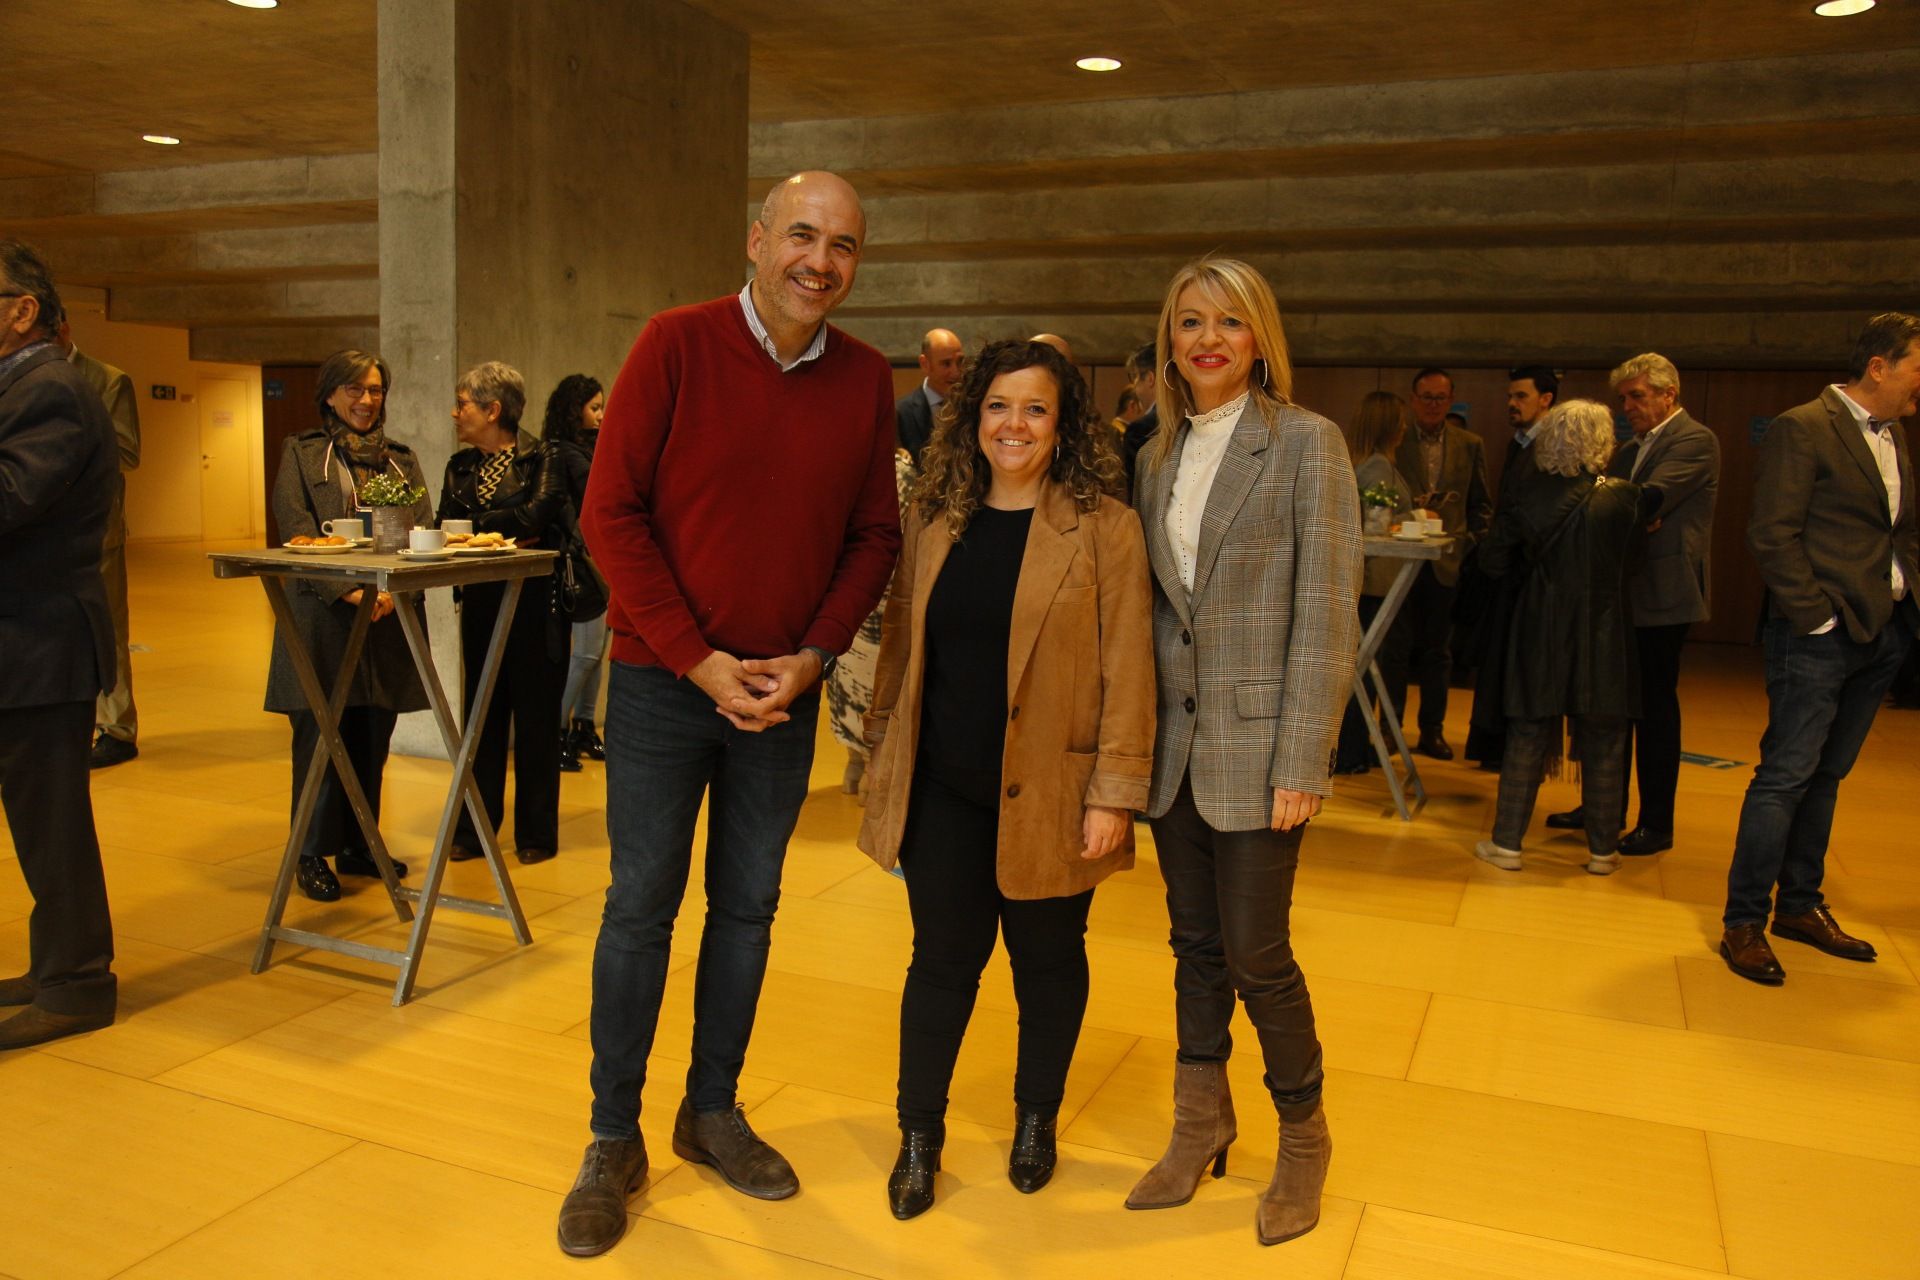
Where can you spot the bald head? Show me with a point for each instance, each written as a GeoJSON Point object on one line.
{"type": "Point", "coordinates": [816, 183]}
{"type": "Point", "coordinates": [805, 247]}
{"type": "Point", "coordinates": [942, 359]}
{"type": "Point", "coordinates": [1055, 341]}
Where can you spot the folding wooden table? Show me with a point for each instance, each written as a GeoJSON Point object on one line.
{"type": "Point", "coordinates": [406, 580]}
{"type": "Point", "coordinates": [1411, 555]}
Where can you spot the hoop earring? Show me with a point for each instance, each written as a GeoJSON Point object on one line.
{"type": "Point", "coordinates": [1265, 385]}
{"type": "Point", "coordinates": [1168, 366]}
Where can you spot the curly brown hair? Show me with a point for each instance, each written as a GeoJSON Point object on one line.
{"type": "Point", "coordinates": [955, 475]}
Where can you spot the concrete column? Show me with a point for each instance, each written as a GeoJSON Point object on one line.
{"type": "Point", "coordinates": [550, 176]}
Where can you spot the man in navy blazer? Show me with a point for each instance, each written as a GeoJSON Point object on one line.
{"type": "Point", "coordinates": [1834, 533]}
{"type": "Point", "coordinates": [59, 479]}
{"type": "Point", "coordinates": [942, 358]}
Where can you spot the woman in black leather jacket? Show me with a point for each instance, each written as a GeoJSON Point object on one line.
{"type": "Point", "coordinates": [509, 482]}
{"type": "Point", "coordinates": [572, 428]}
{"type": "Point", "coordinates": [1567, 541]}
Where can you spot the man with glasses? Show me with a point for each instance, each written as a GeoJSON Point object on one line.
{"type": "Point", "coordinates": [1447, 467]}
{"type": "Point", "coordinates": [59, 478]}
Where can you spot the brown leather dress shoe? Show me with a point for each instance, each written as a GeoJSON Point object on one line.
{"type": "Point", "coordinates": [593, 1217]}
{"type": "Point", "coordinates": [16, 990]}
{"type": "Point", "coordinates": [1745, 949]}
{"type": "Point", "coordinates": [34, 1025]}
{"type": "Point", "coordinates": [1817, 928]}
{"type": "Point", "coordinates": [724, 1140]}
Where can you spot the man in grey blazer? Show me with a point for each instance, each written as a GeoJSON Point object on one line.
{"type": "Point", "coordinates": [942, 359]}
{"type": "Point", "coordinates": [1834, 533]}
{"type": "Point", "coordinates": [1668, 592]}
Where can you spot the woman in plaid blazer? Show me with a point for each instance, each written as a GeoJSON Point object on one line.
{"type": "Point", "coordinates": [1252, 522]}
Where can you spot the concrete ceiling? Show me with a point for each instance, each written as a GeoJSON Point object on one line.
{"type": "Point", "coordinates": [1692, 165]}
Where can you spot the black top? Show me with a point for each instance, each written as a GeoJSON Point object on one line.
{"type": "Point", "coordinates": [963, 722]}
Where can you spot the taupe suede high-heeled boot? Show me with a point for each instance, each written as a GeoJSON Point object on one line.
{"type": "Point", "coordinates": [1203, 1129]}
{"type": "Point", "coordinates": [1290, 1206]}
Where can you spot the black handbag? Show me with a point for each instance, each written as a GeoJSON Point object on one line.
{"type": "Point", "coordinates": [579, 592]}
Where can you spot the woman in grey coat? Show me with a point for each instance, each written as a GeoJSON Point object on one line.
{"type": "Point", "coordinates": [320, 476]}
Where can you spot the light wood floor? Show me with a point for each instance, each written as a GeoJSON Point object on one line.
{"type": "Point", "coordinates": [1532, 1075]}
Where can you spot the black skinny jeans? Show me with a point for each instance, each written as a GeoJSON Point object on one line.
{"type": "Point", "coordinates": [1230, 898]}
{"type": "Point", "coordinates": [947, 853]}
{"type": "Point", "coordinates": [533, 674]}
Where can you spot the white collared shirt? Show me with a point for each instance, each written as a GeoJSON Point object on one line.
{"type": "Point", "coordinates": [1199, 463]}
{"type": "Point", "coordinates": [814, 349]}
{"type": "Point", "coordinates": [1646, 443]}
{"type": "Point", "coordinates": [934, 398]}
{"type": "Point", "coordinates": [1887, 457]}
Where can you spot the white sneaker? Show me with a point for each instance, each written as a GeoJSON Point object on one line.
{"type": "Point", "coordinates": [1505, 859]}
{"type": "Point", "coordinates": [1602, 864]}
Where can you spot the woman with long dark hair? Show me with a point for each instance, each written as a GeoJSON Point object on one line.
{"type": "Point", "coordinates": [321, 473]}
{"type": "Point", "coordinates": [1253, 527]}
{"type": "Point", "coordinates": [572, 430]}
{"type": "Point", "coordinates": [1012, 724]}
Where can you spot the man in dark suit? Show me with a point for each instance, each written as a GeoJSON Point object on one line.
{"type": "Point", "coordinates": [942, 359]}
{"type": "Point", "coordinates": [59, 478]}
{"type": "Point", "coordinates": [1668, 592]}
{"type": "Point", "coordinates": [1448, 470]}
{"type": "Point", "coordinates": [1834, 533]}
{"type": "Point", "coordinates": [1143, 376]}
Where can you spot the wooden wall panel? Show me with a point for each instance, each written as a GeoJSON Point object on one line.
{"type": "Point", "coordinates": [283, 416]}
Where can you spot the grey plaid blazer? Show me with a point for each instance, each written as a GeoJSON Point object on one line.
{"type": "Point", "coordinates": [1255, 666]}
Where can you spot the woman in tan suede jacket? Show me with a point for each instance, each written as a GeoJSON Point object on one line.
{"type": "Point", "coordinates": [1012, 730]}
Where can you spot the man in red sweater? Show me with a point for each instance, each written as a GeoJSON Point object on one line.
{"type": "Point", "coordinates": [742, 508]}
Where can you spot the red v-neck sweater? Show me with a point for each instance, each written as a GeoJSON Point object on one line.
{"type": "Point", "coordinates": [735, 507]}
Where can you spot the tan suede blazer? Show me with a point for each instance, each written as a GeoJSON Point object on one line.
{"type": "Point", "coordinates": [1080, 693]}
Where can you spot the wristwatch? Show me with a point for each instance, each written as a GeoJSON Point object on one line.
{"type": "Point", "coordinates": [827, 660]}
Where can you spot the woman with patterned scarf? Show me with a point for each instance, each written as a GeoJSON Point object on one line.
{"type": "Point", "coordinates": [510, 482]}
{"type": "Point", "coordinates": [321, 473]}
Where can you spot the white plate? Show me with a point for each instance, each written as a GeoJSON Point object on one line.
{"type": "Point", "coordinates": [497, 549]}
{"type": "Point", "coordinates": [408, 553]}
{"type": "Point", "coordinates": [338, 550]}
{"type": "Point", "coordinates": [363, 542]}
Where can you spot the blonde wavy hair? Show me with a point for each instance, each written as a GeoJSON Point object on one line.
{"type": "Point", "coordinates": [1574, 437]}
{"type": "Point", "coordinates": [1239, 290]}
{"type": "Point", "coordinates": [955, 475]}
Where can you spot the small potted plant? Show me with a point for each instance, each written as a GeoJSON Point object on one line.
{"type": "Point", "coordinates": [1377, 504]}
{"type": "Point", "coordinates": [391, 499]}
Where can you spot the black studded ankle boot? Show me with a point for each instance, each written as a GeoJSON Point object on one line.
{"type": "Point", "coordinates": [1030, 1164]}
{"type": "Point", "coordinates": [910, 1185]}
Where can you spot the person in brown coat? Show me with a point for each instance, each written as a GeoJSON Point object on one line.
{"type": "Point", "coordinates": [1012, 730]}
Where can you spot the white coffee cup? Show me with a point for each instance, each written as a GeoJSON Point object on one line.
{"type": "Point", "coordinates": [426, 539]}
{"type": "Point", "coordinates": [346, 527]}
{"type": "Point", "coordinates": [451, 527]}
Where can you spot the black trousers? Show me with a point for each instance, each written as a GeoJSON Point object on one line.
{"type": "Point", "coordinates": [947, 853]}
{"type": "Point", "coordinates": [1656, 734]}
{"type": "Point", "coordinates": [1422, 652]}
{"type": "Point", "coordinates": [525, 702]}
{"type": "Point", "coordinates": [1355, 748]}
{"type": "Point", "coordinates": [368, 733]}
{"type": "Point", "coordinates": [1230, 898]}
{"type": "Point", "coordinates": [44, 790]}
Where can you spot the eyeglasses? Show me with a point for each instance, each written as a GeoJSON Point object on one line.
{"type": "Point", "coordinates": [355, 391]}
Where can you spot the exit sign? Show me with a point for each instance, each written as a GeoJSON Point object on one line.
{"type": "Point", "coordinates": [162, 393]}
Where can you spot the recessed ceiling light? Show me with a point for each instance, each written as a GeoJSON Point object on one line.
{"type": "Point", "coordinates": [256, 4]}
{"type": "Point", "coordinates": [1842, 8]}
{"type": "Point", "coordinates": [1098, 64]}
{"type": "Point", "coordinates": [159, 139]}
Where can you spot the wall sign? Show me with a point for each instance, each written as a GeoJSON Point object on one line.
{"type": "Point", "coordinates": [162, 393]}
{"type": "Point", "coordinates": [275, 389]}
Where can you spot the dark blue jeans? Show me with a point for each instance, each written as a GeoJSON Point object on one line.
{"type": "Point", "coordinates": [1822, 693]}
{"type": "Point", "coordinates": [667, 748]}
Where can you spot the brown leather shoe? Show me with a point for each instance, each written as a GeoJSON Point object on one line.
{"type": "Point", "coordinates": [726, 1141]}
{"type": "Point", "coordinates": [34, 1025]}
{"type": "Point", "coordinates": [1817, 928]}
{"type": "Point", "coordinates": [1434, 743]}
{"type": "Point", "coordinates": [1745, 949]}
{"type": "Point", "coordinates": [16, 990]}
{"type": "Point", "coordinates": [593, 1217]}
